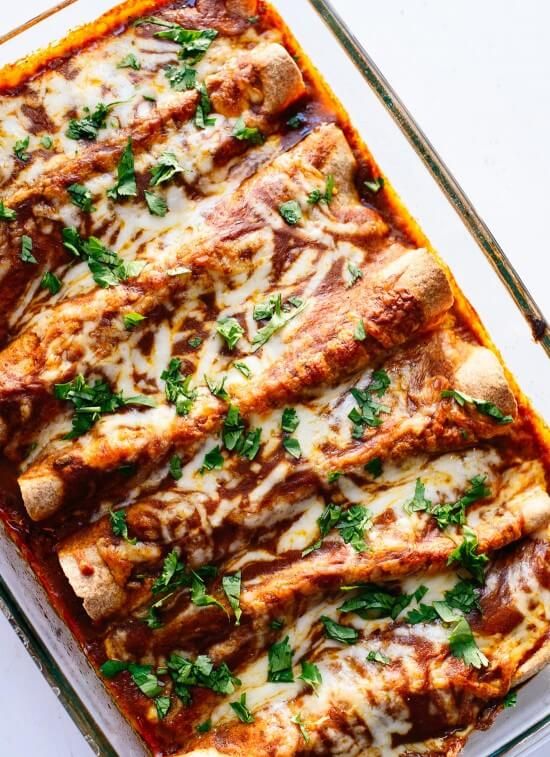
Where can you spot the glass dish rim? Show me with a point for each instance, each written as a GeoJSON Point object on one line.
{"type": "Point", "coordinates": [485, 240]}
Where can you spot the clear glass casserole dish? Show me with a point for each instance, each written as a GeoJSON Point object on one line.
{"type": "Point", "coordinates": [455, 230]}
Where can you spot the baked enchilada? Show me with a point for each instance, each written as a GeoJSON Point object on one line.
{"type": "Point", "coordinates": [256, 444]}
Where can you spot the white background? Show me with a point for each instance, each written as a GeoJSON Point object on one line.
{"type": "Point", "coordinates": [476, 76]}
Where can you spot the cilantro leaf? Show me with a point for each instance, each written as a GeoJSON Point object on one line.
{"type": "Point", "coordinates": [157, 205]}
{"type": "Point", "coordinates": [126, 179]}
{"type": "Point", "coordinates": [352, 525]}
{"type": "Point", "coordinates": [20, 149]}
{"type": "Point", "coordinates": [165, 169]}
{"type": "Point", "coordinates": [119, 526]}
{"type": "Point", "coordinates": [466, 555]}
{"type": "Point", "coordinates": [90, 124]}
{"type": "Point", "coordinates": [231, 585]}
{"type": "Point", "coordinates": [355, 274]}
{"type": "Point", "coordinates": [46, 142]}
{"type": "Point", "coordinates": [360, 334]}
{"type": "Point", "coordinates": [244, 369]}
{"type": "Point", "coordinates": [419, 502]}
{"type": "Point", "coordinates": [194, 342]}
{"type": "Point", "coordinates": [142, 675]}
{"type": "Point", "coordinates": [193, 43]}
{"type": "Point", "coordinates": [217, 388]}
{"type": "Point", "coordinates": [311, 675]}
{"type": "Point", "coordinates": [511, 699]}
{"type": "Point", "coordinates": [201, 672]}
{"type": "Point", "coordinates": [338, 632]}
{"type": "Point", "coordinates": [178, 388]}
{"type": "Point", "coordinates": [241, 710]}
{"type": "Point", "coordinates": [7, 214]}
{"type": "Point", "coordinates": [230, 330]}
{"type": "Point", "coordinates": [204, 108]}
{"type": "Point", "coordinates": [181, 78]}
{"type": "Point", "coordinates": [373, 601]}
{"type": "Point", "coordinates": [333, 476]}
{"type": "Point", "coordinates": [281, 315]}
{"type": "Point", "coordinates": [289, 420]}
{"type": "Point", "coordinates": [172, 573]}
{"type": "Point", "coordinates": [482, 406]}
{"type": "Point", "coordinates": [93, 401]}
{"type": "Point", "coordinates": [377, 656]}
{"type": "Point", "coordinates": [463, 596]}
{"type": "Point", "coordinates": [129, 61]}
{"type": "Point", "coordinates": [374, 467]}
{"type": "Point", "coordinates": [247, 133]}
{"type": "Point", "coordinates": [106, 267]}
{"type": "Point", "coordinates": [204, 727]}
{"type": "Point", "coordinates": [317, 196]}
{"type": "Point", "coordinates": [175, 467]}
{"type": "Point", "coordinates": [455, 512]}
{"type": "Point", "coordinates": [234, 437]}
{"type": "Point", "coordinates": [368, 410]}
{"type": "Point", "coordinates": [131, 320]}
{"type": "Point", "coordinates": [81, 196]}
{"type": "Point", "coordinates": [298, 720]}
{"type": "Point", "coordinates": [292, 446]}
{"type": "Point", "coordinates": [463, 645]}
{"type": "Point", "coordinates": [213, 460]}
{"type": "Point", "coordinates": [50, 282]}
{"type": "Point", "coordinates": [26, 250]}
{"type": "Point", "coordinates": [162, 705]}
{"type": "Point", "coordinates": [290, 212]}
{"type": "Point", "coordinates": [279, 669]}
{"type": "Point", "coordinates": [199, 597]}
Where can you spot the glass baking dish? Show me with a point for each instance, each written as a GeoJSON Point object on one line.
{"type": "Point", "coordinates": [514, 322]}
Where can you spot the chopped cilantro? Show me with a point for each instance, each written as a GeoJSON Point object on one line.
{"type": "Point", "coordinates": [235, 438]}
{"type": "Point", "coordinates": [46, 142]}
{"type": "Point", "coordinates": [162, 705]}
{"type": "Point", "coordinates": [351, 523]}
{"type": "Point", "coordinates": [317, 196]}
{"type": "Point", "coordinates": [244, 369]}
{"type": "Point", "coordinates": [291, 212]}
{"type": "Point", "coordinates": [355, 274]}
{"type": "Point", "coordinates": [157, 205]}
{"type": "Point", "coordinates": [292, 446]}
{"type": "Point", "coordinates": [129, 61]}
{"type": "Point", "coordinates": [194, 342]}
{"type": "Point", "coordinates": [199, 597]}
{"type": "Point", "coordinates": [126, 179]}
{"type": "Point", "coordinates": [333, 476]}
{"type": "Point", "coordinates": [142, 675]}
{"type": "Point", "coordinates": [213, 460]}
{"type": "Point", "coordinates": [81, 196]}
{"type": "Point", "coordinates": [50, 282]}
{"type": "Point", "coordinates": [338, 632]}
{"type": "Point", "coordinates": [279, 668]}
{"type": "Point", "coordinates": [178, 388]}
{"type": "Point", "coordinates": [376, 656]}
{"type": "Point", "coordinates": [175, 467]}
{"type": "Point", "coordinates": [368, 411]}
{"type": "Point", "coordinates": [463, 645]}
{"type": "Point", "coordinates": [360, 334]}
{"type": "Point", "coordinates": [298, 720]}
{"type": "Point", "coordinates": [181, 77]}
{"type": "Point", "coordinates": [373, 601]}
{"type": "Point", "coordinates": [93, 401]}
{"type": "Point", "coordinates": [289, 420]}
{"type": "Point", "coordinates": [247, 133]}
{"type": "Point", "coordinates": [311, 675]}
{"type": "Point", "coordinates": [204, 727]}
{"type": "Point", "coordinates": [231, 585]}
{"type": "Point", "coordinates": [510, 700]}
{"type": "Point", "coordinates": [90, 124]}
{"type": "Point", "coordinates": [106, 267]}
{"type": "Point", "coordinates": [131, 320]}
{"type": "Point", "coordinates": [463, 596]}
{"type": "Point", "coordinates": [482, 406]}
{"type": "Point", "coordinates": [466, 555]}
{"type": "Point", "coordinates": [374, 467]}
{"type": "Point", "coordinates": [20, 149]}
{"type": "Point", "coordinates": [217, 388]}
{"type": "Point", "coordinates": [202, 672]}
{"type": "Point", "coordinates": [165, 169]}
{"type": "Point", "coordinates": [281, 315]}
{"type": "Point", "coordinates": [193, 42]}
{"type": "Point", "coordinates": [276, 624]}
{"type": "Point", "coordinates": [119, 526]}
{"type": "Point", "coordinates": [231, 330]}
{"type": "Point", "coordinates": [7, 214]}
{"type": "Point", "coordinates": [204, 108]}
{"type": "Point", "coordinates": [26, 250]}
{"type": "Point", "coordinates": [241, 710]}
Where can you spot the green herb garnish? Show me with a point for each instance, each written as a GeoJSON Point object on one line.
{"type": "Point", "coordinates": [231, 331]}
{"type": "Point", "coordinates": [50, 282]}
{"type": "Point", "coordinates": [291, 212]}
{"type": "Point", "coordinates": [483, 407]}
{"type": "Point", "coordinates": [126, 178]}
{"type": "Point", "coordinates": [338, 632]}
{"type": "Point", "coordinates": [247, 133]}
{"type": "Point", "coordinates": [20, 149]}
{"type": "Point", "coordinates": [129, 61]}
{"type": "Point", "coordinates": [178, 387]}
{"type": "Point", "coordinates": [81, 196]}
{"type": "Point", "coordinates": [131, 320]}
{"type": "Point", "coordinates": [367, 414]}
{"type": "Point", "coordinates": [119, 527]}
{"type": "Point", "coordinates": [157, 205]}
{"type": "Point", "coordinates": [231, 585]}
{"type": "Point", "coordinates": [26, 250]}
{"type": "Point", "coordinates": [279, 668]}
{"type": "Point", "coordinates": [166, 168]}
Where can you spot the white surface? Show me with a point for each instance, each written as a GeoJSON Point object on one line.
{"type": "Point", "coordinates": [476, 76]}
